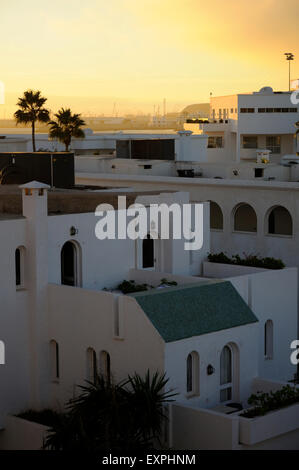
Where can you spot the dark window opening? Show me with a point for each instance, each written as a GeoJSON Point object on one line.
{"type": "Point", "coordinates": [68, 264]}
{"type": "Point", "coordinates": [216, 216]}
{"type": "Point", "coordinates": [249, 142]}
{"type": "Point", "coordinates": [258, 172]}
{"type": "Point", "coordinates": [245, 219]}
{"type": "Point", "coordinates": [189, 373]}
{"type": "Point", "coordinates": [18, 266]}
{"type": "Point", "coordinates": [148, 252]}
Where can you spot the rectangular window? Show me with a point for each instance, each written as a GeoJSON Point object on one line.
{"type": "Point", "coordinates": [232, 110]}
{"type": "Point", "coordinates": [273, 143]}
{"type": "Point", "coordinates": [269, 110]}
{"type": "Point", "coordinates": [293, 110]}
{"type": "Point", "coordinates": [247, 110]}
{"type": "Point", "coordinates": [258, 172]}
{"type": "Point", "coordinates": [249, 142]}
{"type": "Point", "coordinates": [262, 110]}
{"type": "Point", "coordinates": [215, 142]}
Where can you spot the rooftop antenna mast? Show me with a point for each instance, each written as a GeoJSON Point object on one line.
{"type": "Point", "coordinates": [289, 57]}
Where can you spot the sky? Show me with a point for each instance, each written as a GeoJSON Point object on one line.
{"type": "Point", "coordinates": [125, 56]}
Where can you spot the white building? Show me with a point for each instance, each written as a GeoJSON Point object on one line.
{"type": "Point", "coordinates": [57, 323]}
{"type": "Point", "coordinates": [241, 124]}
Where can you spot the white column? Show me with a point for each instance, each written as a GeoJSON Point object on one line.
{"type": "Point", "coordinates": [35, 210]}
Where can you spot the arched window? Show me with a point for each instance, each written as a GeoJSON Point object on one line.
{"type": "Point", "coordinates": [91, 365]}
{"type": "Point", "coordinates": [216, 216]}
{"type": "Point", "coordinates": [268, 339]}
{"type": "Point", "coordinates": [192, 384]}
{"type": "Point", "coordinates": [280, 221]}
{"type": "Point", "coordinates": [54, 360]}
{"type": "Point", "coordinates": [226, 374]}
{"type": "Point", "coordinates": [105, 365]}
{"type": "Point", "coordinates": [70, 264]}
{"type": "Point", "coordinates": [19, 266]}
{"type": "Point", "coordinates": [148, 256]}
{"type": "Point", "coordinates": [245, 218]}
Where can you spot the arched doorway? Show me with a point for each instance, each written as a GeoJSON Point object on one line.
{"type": "Point", "coordinates": [229, 373]}
{"type": "Point", "coordinates": [70, 264]}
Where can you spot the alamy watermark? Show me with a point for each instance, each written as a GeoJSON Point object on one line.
{"type": "Point", "coordinates": [160, 221]}
{"type": "Point", "coordinates": [295, 354]}
{"type": "Point", "coordinates": [295, 97]}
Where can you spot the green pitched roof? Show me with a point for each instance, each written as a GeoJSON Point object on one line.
{"type": "Point", "coordinates": [193, 310]}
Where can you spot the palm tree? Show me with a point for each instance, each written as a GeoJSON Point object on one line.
{"type": "Point", "coordinates": [32, 110]}
{"type": "Point", "coordinates": [105, 416]}
{"type": "Point", "coordinates": [66, 126]}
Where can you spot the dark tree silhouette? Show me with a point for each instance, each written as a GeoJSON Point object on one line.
{"type": "Point", "coordinates": [66, 126]}
{"type": "Point", "coordinates": [32, 110]}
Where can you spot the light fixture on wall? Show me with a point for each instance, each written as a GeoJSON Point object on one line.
{"type": "Point", "coordinates": [73, 231]}
{"type": "Point", "coordinates": [210, 369]}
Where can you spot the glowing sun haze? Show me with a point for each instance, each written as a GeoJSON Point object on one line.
{"type": "Point", "coordinates": [90, 54]}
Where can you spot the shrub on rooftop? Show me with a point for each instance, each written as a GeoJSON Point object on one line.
{"type": "Point", "coordinates": [248, 260]}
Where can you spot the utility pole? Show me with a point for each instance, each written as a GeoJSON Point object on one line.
{"type": "Point", "coordinates": [289, 57]}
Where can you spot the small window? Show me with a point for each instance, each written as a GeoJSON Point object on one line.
{"type": "Point", "coordinates": [269, 110]}
{"type": "Point", "coordinates": [268, 339]}
{"type": "Point", "coordinates": [19, 266]}
{"type": "Point", "coordinates": [293, 110]}
{"type": "Point", "coordinates": [91, 366]}
{"type": "Point", "coordinates": [258, 172]}
{"type": "Point", "coordinates": [216, 216]}
{"type": "Point", "coordinates": [250, 110]}
{"type": "Point", "coordinates": [192, 369]}
{"type": "Point", "coordinates": [105, 365]}
{"type": "Point", "coordinates": [54, 360]}
{"type": "Point", "coordinates": [215, 142]}
{"type": "Point", "coordinates": [273, 143]}
{"type": "Point", "coordinates": [261, 110]}
{"type": "Point", "coordinates": [147, 167]}
{"type": "Point", "coordinates": [226, 374]}
{"type": "Point", "coordinates": [249, 142]}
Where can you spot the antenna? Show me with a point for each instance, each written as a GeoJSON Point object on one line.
{"type": "Point", "coordinates": [289, 57]}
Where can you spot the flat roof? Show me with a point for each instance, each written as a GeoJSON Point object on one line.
{"type": "Point", "coordinates": [68, 201]}
{"type": "Point", "coordinates": [123, 178]}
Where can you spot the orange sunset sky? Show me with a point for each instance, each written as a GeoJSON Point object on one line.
{"type": "Point", "coordinates": [91, 54]}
